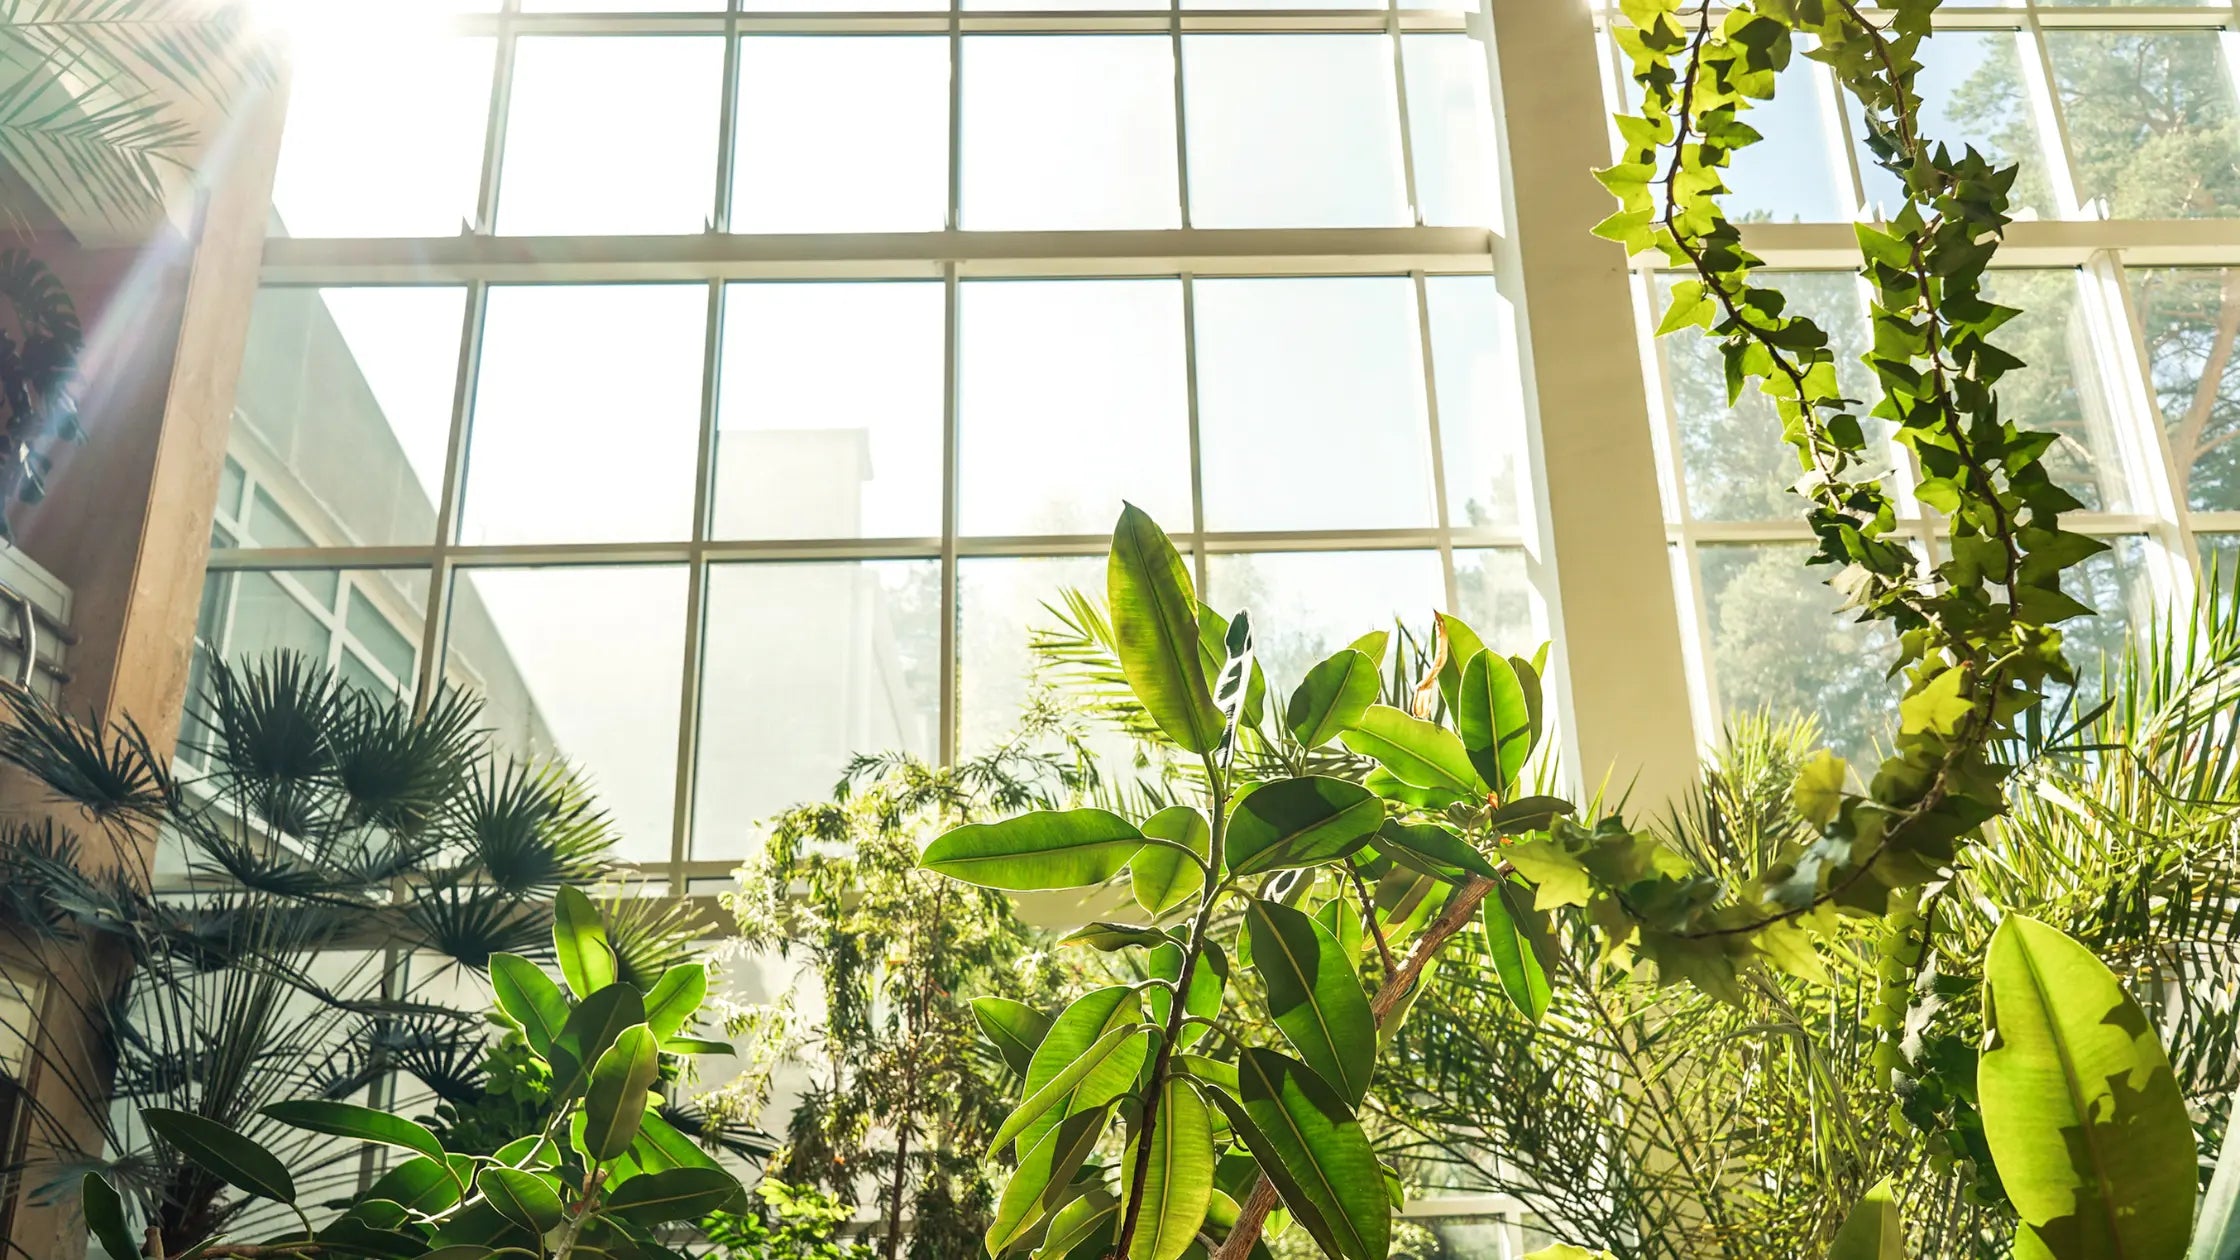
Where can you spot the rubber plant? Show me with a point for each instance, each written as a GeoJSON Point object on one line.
{"type": "Point", "coordinates": [601, 1178]}
{"type": "Point", "coordinates": [1271, 888]}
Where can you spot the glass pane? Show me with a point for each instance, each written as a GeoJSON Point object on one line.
{"type": "Point", "coordinates": [2219, 556]}
{"type": "Point", "coordinates": [277, 527]}
{"type": "Point", "coordinates": [830, 417]}
{"type": "Point", "coordinates": [1791, 176]}
{"type": "Point", "coordinates": [2150, 121]}
{"type": "Point", "coordinates": [1737, 465]}
{"type": "Point", "coordinates": [842, 134]}
{"type": "Point", "coordinates": [1779, 644]}
{"type": "Point", "coordinates": [809, 664]}
{"type": "Point", "coordinates": [413, 166]}
{"type": "Point", "coordinates": [1481, 401]}
{"type": "Point", "coordinates": [1307, 604]}
{"type": "Point", "coordinates": [344, 403]}
{"type": "Point", "coordinates": [1451, 132]}
{"type": "Point", "coordinates": [612, 135]}
{"type": "Point", "coordinates": [999, 603]}
{"type": "Point", "coordinates": [248, 615]}
{"type": "Point", "coordinates": [2191, 318]}
{"type": "Point", "coordinates": [1072, 399]}
{"type": "Point", "coordinates": [1293, 131]}
{"type": "Point", "coordinates": [1311, 406]}
{"type": "Point", "coordinates": [602, 452]}
{"type": "Point", "coordinates": [623, 6]}
{"type": "Point", "coordinates": [2117, 585]}
{"type": "Point", "coordinates": [2061, 389]}
{"type": "Point", "coordinates": [1069, 132]}
{"type": "Point", "coordinates": [585, 666]}
{"type": "Point", "coordinates": [1494, 596]}
{"type": "Point", "coordinates": [1972, 92]}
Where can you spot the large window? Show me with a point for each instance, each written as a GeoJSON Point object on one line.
{"type": "Point", "coordinates": [2122, 127]}
{"type": "Point", "coordinates": [718, 395]}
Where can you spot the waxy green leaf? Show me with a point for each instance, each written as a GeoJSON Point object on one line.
{"type": "Point", "coordinates": [1415, 751]}
{"type": "Point", "coordinates": [1495, 719]}
{"type": "Point", "coordinates": [104, 1211]}
{"type": "Point", "coordinates": [1873, 1230]}
{"type": "Point", "coordinates": [341, 1119]}
{"type": "Point", "coordinates": [1309, 1144]}
{"type": "Point", "coordinates": [1102, 1073]}
{"type": "Point", "coordinates": [616, 1101]}
{"type": "Point", "coordinates": [529, 997]}
{"type": "Point", "coordinates": [521, 1197]}
{"type": "Point", "coordinates": [673, 1194]}
{"type": "Point", "coordinates": [1044, 1176]}
{"type": "Point", "coordinates": [1155, 627]}
{"type": "Point", "coordinates": [579, 938]}
{"type": "Point", "coordinates": [1178, 1179]}
{"type": "Point", "coordinates": [1071, 848]}
{"type": "Point", "coordinates": [673, 999]}
{"type": "Point", "coordinates": [1014, 1028]}
{"type": "Point", "coordinates": [1299, 822]}
{"type": "Point", "coordinates": [212, 1147]}
{"type": "Point", "coordinates": [1314, 996]}
{"type": "Point", "coordinates": [1163, 877]}
{"type": "Point", "coordinates": [1332, 697]}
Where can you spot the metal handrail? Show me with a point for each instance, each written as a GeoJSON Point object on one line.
{"type": "Point", "coordinates": [27, 630]}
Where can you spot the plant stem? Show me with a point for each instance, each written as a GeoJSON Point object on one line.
{"type": "Point", "coordinates": [1369, 917]}
{"type": "Point", "coordinates": [1461, 909]}
{"type": "Point", "coordinates": [1217, 798]}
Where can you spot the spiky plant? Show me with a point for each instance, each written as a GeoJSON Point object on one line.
{"type": "Point", "coordinates": [238, 936]}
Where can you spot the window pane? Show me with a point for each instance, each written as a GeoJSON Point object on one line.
{"type": "Point", "coordinates": [275, 525]}
{"type": "Point", "coordinates": [1791, 175]}
{"type": "Point", "coordinates": [999, 601]}
{"type": "Point", "coordinates": [1972, 93]}
{"type": "Point", "coordinates": [248, 615]}
{"type": "Point", "coordinates": [2150, 121]}
{"type": "Point", "coordinates": [1073, 399]}
{"type": "Point", "coordinates": [344, 402]}
{"type": "Point", "coordinates": [808, 665]}
{"type": "Point", "coordinates": [1481, 401]}
{"type": "Point", "coordinates": [413, 166]}
{"type": "Point", "coordinates": [1450, 131]}
{"type": "Point", "coordinates": [623, 6]}
{"type": "Point", "coordinates": [842, 134]}
{"type": "Point", "coordinates": [611, 135]}
{"type": "Point", "coordinates": [602, 452]}
{"type": "Point", "coordinates": [1069, 132]}
{"type": "Point", "coordinates": [809, 442]}
{"type": "Point", "coordinates": [1737, 465]}
{"type": "Point", "coordinates": [2117, 585]}
{"type": "Point", "coordinates": [2219, 556]}
{"type": "Point", "coordinates": [1779, 644]}
{"type": "Point", "coordinates": [585, 666]}
{"type": "Point", "coordinates": [2191, 318]}
{"type": "Point", "coordinates": [1293, 131]}
{"type": "Point", "coordinates": [1310, 404]}
{"type": "Point", "coordinates": [2061, 389]}
{"type": "Point", "coordinates": [1306, 605]}
{"type": "Point", "coordinates": [1494, 596]}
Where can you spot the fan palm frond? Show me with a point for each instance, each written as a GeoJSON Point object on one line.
{"type": "Point", "coordinates": [468, 922]}
{"type": "Point", "coordinates": [399, 770]}
{"type": "Point", "coordinates": [529, 829]}
{"type": "Point", "coordinates": [650, 934]}
{"type": "Point", "coordinates": [111, 772]}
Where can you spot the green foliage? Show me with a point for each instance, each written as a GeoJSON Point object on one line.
{"type": "Point", "coordinates": [600, 1176]}
{"type": "Point", "coordinates": [1132, 1096]}
{"type": "Point", "coordinates": [792, 1223]}
{"type": "Point", "coordinates": [1873, 1231]}
{"type": "Point", "coordinates": [38, 371]}
{"type": "Point", "coordinates": [298, 807]}
{"type": "Point", "coordinates": [904, 1094]}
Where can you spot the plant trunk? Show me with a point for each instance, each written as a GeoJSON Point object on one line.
{"type": "Point", "coordinates": [895, 1192]}
{"type": "Point", "coordinates": [1253, 1217]}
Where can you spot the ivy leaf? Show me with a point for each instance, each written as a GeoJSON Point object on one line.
{"type": "Point", "coordinates": [1939, 705]}
{"type": "Point", "coordinates": [1558, 877]}
{"type": "Point", "coordinates": [1155, 628]}
{"type": "Point", "coordinates": [1819, 790]}
{"type": "Point", "coordinates": [1071, 848]}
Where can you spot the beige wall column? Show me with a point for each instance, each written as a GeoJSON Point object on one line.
{"type": "Point", "coordinates": [127, 527]}
{"type": "Point", "coordinates": [1602, 551]}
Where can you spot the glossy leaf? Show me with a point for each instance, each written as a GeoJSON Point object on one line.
{"type": "Point", "coordinates": [1109, 937]}
{"type": "Point", "coordinates": [1415, 751]}
{"type": "Point", "coordinates": [1041, 1181]}
{"type": "Point", "coordinates": [1014, 1028]}
{"type": "Point", "coordinates": [616, 1101]}
{"type": "Point", "coordinates": [530, 998]}
{"type": "Point", "coordinates": [1332, 697]}
{"type": "Point", "coordinates": [1434, 850]}
{"type": "Point", "coordinates": [104, 1210]}
{"type": "Point", "coordinates": [1155, 628]}
{"type": "Point", "coordinates": [1178, 1178]}
{"type": "Point", "coordinates": [660, 1146]}
{"type": "Point", "coordinates": [1071, 848]}
{"type": "Point", "coordinates": [674, 1194]}
{"type": "Point", "coordinates": [2083, 1116]}
{"type": "Point", "coordinates": [1311, 1147]}
{"type": "Point", "coordinates": [1463, 644]}
{"type": "Point", "coordinates": [674, 998]}
{"type": "Point", "coordinates": [421, 1184]}
{"type": "Point", "coordinates": [1523, 977]}
{"type": "Point", "coordinates": [2216, 1236]}
{"type": "Point", "coordinates": [697, 1045]}
{"type": "Point", "coordinates": [1208, 981]}
{"type": "Point", "coordinates": [1495, 719]}
{"type": "Point", "coordinates": [1162, 877]}
{"type": "Point", "coordinates": [579, 938]}
{"type": "Point", "coordinates": [1299, 822]}
{"type": "Point", "coordinates": [1078, 1222]}
{"type": "Point", "coordinates": [1314, 997]}
{"type": "Point", "coordinates": [592, 1026]}
{"type": "Point", "coordinates": [214, 1148]}
{"type": "Point", "coordinates": [1102, 1072]}
{"type": "Point", "coordinates": [522, 1198]}
{"type": "Point", "coordinates": [341, 1119]}
{"type": "Point", "coordinates": [1528, 814]}
{"type": "Point", "coordinates": [1873, 1230]}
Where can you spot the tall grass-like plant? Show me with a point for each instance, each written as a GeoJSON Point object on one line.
{"type": "Point", "coordinates": [331, 834]}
